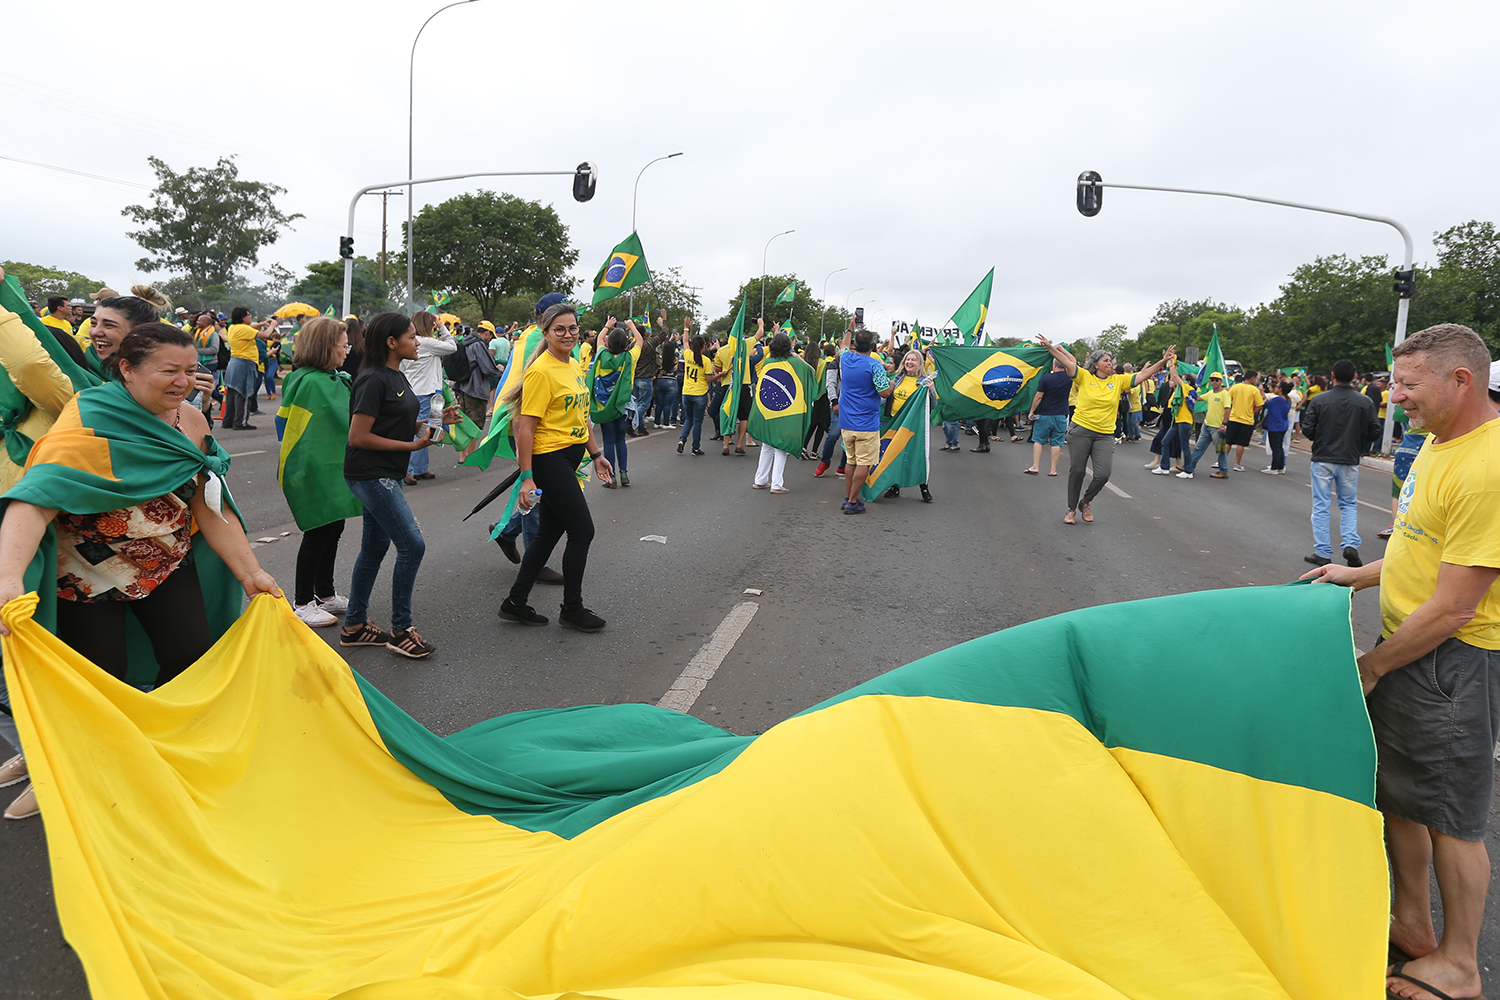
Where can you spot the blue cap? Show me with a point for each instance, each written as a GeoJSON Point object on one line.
{"type": "Point", "coordinates": [548, 301]}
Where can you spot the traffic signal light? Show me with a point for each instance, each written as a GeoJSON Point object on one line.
{"type": "Point", "coordinates": [584, 180]}
{"type": "Point", "coordinates": [346, 246]}
{"type": "Point", "coordinates": [1090, 193]}
{"type": "Point", "coordinates": [1406, 283]}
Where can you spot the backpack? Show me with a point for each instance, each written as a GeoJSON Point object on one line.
{"type": "Point", "coordinates": [457, 366]}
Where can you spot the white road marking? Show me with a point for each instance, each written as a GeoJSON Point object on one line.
{"type": "Point", "coordinates": [242, 454]}
{"type": "Point", "coordinates": [705, 663]}
{"type": "Point", "coordinates": [1116, 490]}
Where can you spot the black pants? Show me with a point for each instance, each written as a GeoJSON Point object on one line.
{"type": "Point", "coordinates": [315, 559]}
{"type": "Point", "coordinates": [562, 511]}
{"type": "Point", "coordinates": [822, 417]}
{"type": "Point", "coordinates": [234, 409]}
{"type": "Point", "coordinates": [173, 617]}
{"type": "Point", "coordinates": [986, 428]}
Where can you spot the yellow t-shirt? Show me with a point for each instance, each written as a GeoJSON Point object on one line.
{"type": "Point", "coordinates": [82, 336]}
{"type": "Point", "coordinates": [554, 391]}
{"type": "Point", "coordinates": [723, 361]}
{"type": "Point", "coordinates": [1385, 397]}
{"type": "Point", "coordinates": [1446, 513]}
{"type": "Point", "coordinates": [1135, 398]}
{"type": "Point", "coordinates": [1217, 402]}
{"type": "Point", "coordinates": [585, 351]}
{"type": "Point", "coordinates": [1098, 399]}
{"type": "Point", "coordinates": [242, 342]}
{"type": "Point", "coordinates": [902, 390]}
{"type": "Point", "coordinates": [60, 324]}
{"type": "Point", "coordinates": [1243, 399]}
{"type": "Point", "coordinates": [693, 382]}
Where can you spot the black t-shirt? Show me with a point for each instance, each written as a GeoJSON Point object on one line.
{"type": "Point", "coordinates": [385, 394]}
{"type": "Point", "coordinates": [1054, 388]}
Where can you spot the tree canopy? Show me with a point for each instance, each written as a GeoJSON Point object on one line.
{"type": "Point", "coordinates": [323, 286]}
{"type": "Point", "coordinates": [807, 313]}
{"type": "Point", "coordinates": [491, 247]}
{"type": "Point", "coordinates": [41, 283]}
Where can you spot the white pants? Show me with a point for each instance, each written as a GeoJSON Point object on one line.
{"type": "Point", "coordinates": [772, 468]}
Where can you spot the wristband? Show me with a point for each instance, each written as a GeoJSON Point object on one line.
{"type": "Point", "coordinates": [595, 456]}
{"type": "Point", "coordinates": [523, 475]}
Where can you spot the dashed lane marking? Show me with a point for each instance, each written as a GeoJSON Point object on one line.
{"type": "Point", "coordinates": [705, 663]}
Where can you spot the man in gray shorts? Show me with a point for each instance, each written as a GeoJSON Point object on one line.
{"type": "Point", "coordinates": [1433, 681]}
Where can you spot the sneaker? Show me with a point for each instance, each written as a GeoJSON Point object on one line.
{"type": "Point", "coordinates": [857, 507]}
{"type": "Point", "coordinates": [641, 432]}
{"type": "Point", "coordinates": [926, 494]}
{"type": "Point", "coordinates": [313, 616]}
{"type": "Point", "coordinates": [1270, 471]}
{"type": "Point", "coordinates": [582, 619]}
{"type": "Point", "coordinates": [1351, 556]}
{"type": "Point", "coordinates": [1239, 468]}
{"type": "Point", "coordinates": [847, 505]}
{"type": "Point", "coordinates": [511, 611]}
{"type": "Point", "coordinates": [24, 806]}
{"type": "Point", "coordinates": [1317, 560]}
{"type": "Point", "coordinates": [697, 451]}
{"type": "Point", "coordinates": [1385, 532]}
{"type": "Point", "coordinates": [892, 493]}
{"type": "Point", "coordinates": [1218, 475]}
{"type": "Point", "coordinates": [1184, 475]}
{"type": "Point", "coordinates": [410, 644]}
{"type": "Point", "coordinates": [679, 446]}
{"type": "Point", "coordinates": [507, 545]}
{"type": "Point", "coordinates": [1153, 465]}
{"type": "Point", "coordinates": [335, 605]}
{"type": "Point", "coordinates": [363, 634]}
{"type": "Point", "coordinates": [13, 771]}
{"type": "Point", "coordinates": [1159, 471]}
{"type": "Point", "coordinates": [822, 468]}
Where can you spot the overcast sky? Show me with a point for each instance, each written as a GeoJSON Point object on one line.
{"type": "Point", "coordinates": [918, 145]}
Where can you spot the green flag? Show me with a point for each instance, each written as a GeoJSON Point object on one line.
{"type": "Point", "coordinates": [497, 438]}
{"type": "Point", "coordinates": [976, 308]}
{"type": "Point", "coordinates": [14, 299]}
{"type": "Point", "coordinates": [609, 379]}
{"type": "Point", "coordinates": [625, 268]}
{"type": "Point", "coordinates": [979, 383]}
{"type": "Point", "coordinates": [783, 403]}
{"type": "Point", "coordinates": [904, 449]}
{"type": "Point", "coordinates": [311, 467]}
{"type": "Point", "coordinates": [729, 411]}
{"type": "Point", "coordinates": [788, 294]}
{"type": "Point", "coordinates": [458, 435]}
{"type": "Point", "coordinates": [329, 312]}
{"type": "Point", "coordinates": [1213, 361]}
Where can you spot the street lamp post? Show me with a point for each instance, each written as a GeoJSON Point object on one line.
{"type": "Point", "coordinates": [1091, 199]}
{"type": "Point", "coordinates": [823, 313]}
{"type": "Point", "coordinates": [634, 196]}
{"type": "Point", "coordinates": [763, 269]}
{"type": "Point", "coordinates": [411, 77]}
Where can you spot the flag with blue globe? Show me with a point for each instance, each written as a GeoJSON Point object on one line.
{"type": "Point", "coordinates": [783, 403]}
{"type": "Point", "coordinates": [625, 268]}
{"type": "Point", "coordinates": [983, 383]}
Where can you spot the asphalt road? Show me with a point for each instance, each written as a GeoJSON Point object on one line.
{"type": "Point", "coordinates": [841, 598]}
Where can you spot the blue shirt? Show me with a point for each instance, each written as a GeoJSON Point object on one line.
{"type": "Point", "coordinates": [862, 377]}
{"type": "Point", "coordinates": [1053, 388]}
{"type": "Point", "coordinates": [1277, 408]}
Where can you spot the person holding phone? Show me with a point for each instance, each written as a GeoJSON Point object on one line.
{"type": "Point", "coordinates": [549, 412]}
{"type": "Point", "coordinates": [383, 411]}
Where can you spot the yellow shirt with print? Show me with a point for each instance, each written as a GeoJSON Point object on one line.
{"type": "Point", "coordinates": [902, 391]}
{"type": "Point", "coordinates": [1243, 399]}
{"type": "Point", "coordinates": [555, 393]}
{"type": "Point", "coordinates": [1098, 403]}
{"type": "Point", "coordinates": [1217, 402]}
{"type": "Point", "coordinates": [723, 361]}
{"type": "Point", "coordinates": [1446, 513]}
{"type": "Point", "coordinates": [693, 382]}
{"type": "Point", "coordinates": [242, 342]}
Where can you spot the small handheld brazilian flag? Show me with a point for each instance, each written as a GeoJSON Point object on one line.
{"type": "Point", "coordinates": [625, 268]}
{"type": "Point", "coordinates": [788, 294]}
{"type": "Point", "coordinates": [329, 311]}
{"type": "Point", "coordinates": [976, 309]}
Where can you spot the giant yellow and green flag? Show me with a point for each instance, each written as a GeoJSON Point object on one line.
{"type": "Point", "coordinates": [1053, 811]}
{"type": "Point", "coordinates": [905, 447]}
{"type": "Point", "coordinates": [976, 309]}
{"type": "Point", "coordinates": [625, 268]}
{"type": "Point", "coordinates": [729, 411]}
{"type": "Point", "coordinates": [497, 438]}
{"type": "Point", "coordinates": [784, 396]}
{"type": "Point", "coordinates": [978, 383]}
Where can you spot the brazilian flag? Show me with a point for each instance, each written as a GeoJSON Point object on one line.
{"type": "Point", "coordinates": [610, 378]}
{"type": "Point", "coordinates": [313, 424]}
{"type": "Point", "coordinates": [905, 448]}
{"type": "Point", "coordinates": [729, 412]}
{"type": "Point", "coordinates": [1055, 810]}
{"type": "Point", "coordinates": [976, 309]}
{"type": "Point", "coordinates": [497, 438]}
{"type": "Point", "coordinates": [625, 268]}
{"type": "Point", "coordinates": [784, 396]}
{"type": "Point", "coordinates": [788, 294]}
{"type": "Point", "coordinates": [980, 383]}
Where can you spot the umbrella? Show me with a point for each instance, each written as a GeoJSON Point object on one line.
{"type": "Point", "coordinates": [292, 309]}
{"type": "Point", "coordinates": [449, 318]}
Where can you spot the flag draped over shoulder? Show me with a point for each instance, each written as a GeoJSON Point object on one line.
{"type": "Point", "coordinates": [1056, 810]}
{"type": "Point", "coordinates": [610, 378]}
{"type": "Point", "coordinates": [905, 448]}
{"type": "Point", "coordinates": [729, 412]}
{"type": "Point", "coordinates": [14, 405]}
{"type": "Point", "coordinates": [978, 383]}
{"type": "Point", "coordinates": [782, 410]}
{"type": "Point", "coordinates": [976, 309]}
{"type": "Point", "coordinates": [104, 453]}
{"type": "Point", "coordinates": [625, 268]}
{"type": "Point", "coordinates": [497, 438]}
{"type": "Point", "coordinates": [313, 422]}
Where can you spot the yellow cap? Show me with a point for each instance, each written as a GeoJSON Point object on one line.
{"type": "Point", "coordinates": [485, 324]}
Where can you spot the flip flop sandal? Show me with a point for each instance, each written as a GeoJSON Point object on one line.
{"type": "Point", "coordinates": [1032, 472]}
{"type": "Point", "coordinates": [1398, 974]}
{"type": "Point", "coordinates": [740, 451]}
{"type": "Point", "coordinates": [1051, 473]}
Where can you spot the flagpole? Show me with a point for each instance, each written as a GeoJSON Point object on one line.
{"type": "Point", "coordinates": [634, 197]}
{"type": "Point", "coordinates": [824, 300]}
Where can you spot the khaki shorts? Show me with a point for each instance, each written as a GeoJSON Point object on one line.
{"type": "Point", "coordinates": [862, 447]}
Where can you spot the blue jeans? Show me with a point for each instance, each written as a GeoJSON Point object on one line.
{"type": "Point", "coordinates": [693, 408]}
{"type": "Point", "coordinates": [418, 464]}
{"type": "Point", "coordinates": [271, 376]}
{"type": "Point", "coordinates": [523, 524]}
{"type": "Point", "coordinates": [950, 433]}
{"type": "Point", "coordinates": [835, 436]}
{"type": "Point", "coordinates": [1327, 480]}
{"type": "Point", "coordinates": [1133, 425]}
{"type": "Point", "coordinates": [1206, 440]}
{"type": "Point", "coordinates": [668, 390]}
{"type": "Point", "coordinates": [387, 519]}
{"type": "Point", "coordinates": [613, 433]}
{"type": "Point", "coordinates": [640, 401]}
{"type": "Point", "coordinates": [1184, 435]}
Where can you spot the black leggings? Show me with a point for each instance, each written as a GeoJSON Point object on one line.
{"type": "Point", "coordinates": [822, 418]}
{"type": "Point", "coordinates": [562, 511]}
{"type": "Point", "coordinates": [172, 615]}
{"type": "Point", "coordinates": [315, 559]}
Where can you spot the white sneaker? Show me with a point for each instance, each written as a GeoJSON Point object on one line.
{"type": "Point", "coordinates": [1271, 472]}
{"type": "Point", "coordinates": [1159, 471]}
{"type": "Point", "coordinates": [336, 604]}
{"type": "Point", "coordinates": [1239, 468]}
{"type": "Point", "coordinates": [1184, 475]}
{"type": "Point", "coordinates": [315, 617]}
{"type": "Point", "coordinates": [1152, 465]}
{"type": "Point", "coordinates": [13, 771]}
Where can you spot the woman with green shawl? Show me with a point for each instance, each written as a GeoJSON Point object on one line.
{"type": "Point", "coordinates": [611, 375]}
{"type": "Point", "coordinates": [122, 508]}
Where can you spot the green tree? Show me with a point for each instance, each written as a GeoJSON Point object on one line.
{"type": "Point", "coordinates": [1465, 286]}
{"type": "Point", "coordinates": [666, 290]}
{"type": "Point", "coordinates": [323, 286]}
{"type": "Point", "coordinates": [41, 283]}
{"type": "Point", "coordinates": [206, 224]}
{"type": "Point", "coordinates": [808, 314]}
{"type": "Point", "coordinates": [1336, 307]}
{"type": "Point", "coordinates": [492, 247]}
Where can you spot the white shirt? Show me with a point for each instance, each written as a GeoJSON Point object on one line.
{"type": "Point", "coordinates": [426, 373]}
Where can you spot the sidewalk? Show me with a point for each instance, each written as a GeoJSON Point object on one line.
{"type": "Point", "coordinates": [1385, 465]}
